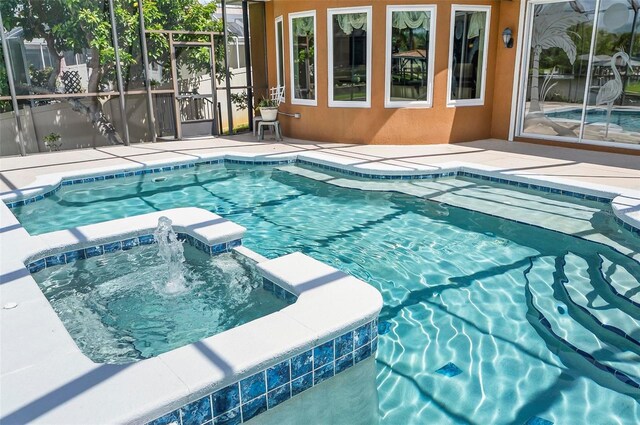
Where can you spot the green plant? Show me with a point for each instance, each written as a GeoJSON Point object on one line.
{"type": "Point", "coordinates": [239, 100]}
{"type": "Point", "coordinates": [267, 103]}
{"type": "Point", "coordinates": [51, 141]}
{"type": "Point", "coordinates": [40, 77]}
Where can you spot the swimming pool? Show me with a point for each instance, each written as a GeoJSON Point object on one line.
{"type": "Point", "coordinates": [459, 287]}
{"type": "Point", "coordinates": [628, 120]}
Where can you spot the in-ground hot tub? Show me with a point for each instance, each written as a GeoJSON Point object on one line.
{"type": "Point", "coordinates": [122, 307]}
{"type": "Point", "coordinates": [314, 322]}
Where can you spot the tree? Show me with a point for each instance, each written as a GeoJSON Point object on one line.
{"type": "Point", "coordinates": [83, 26]}
{"type": "Point", "coordinates": [5, 106]}
{"type": "Point", "coordinates": [551, 29]}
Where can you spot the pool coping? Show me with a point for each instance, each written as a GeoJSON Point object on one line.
{"type": "Point", "coordinates": [625, 203]}
{"type": "Point", "coordinates": [45, 377]}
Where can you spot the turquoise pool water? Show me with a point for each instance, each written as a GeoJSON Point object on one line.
{"type": "Point", "coordinates": [628, 120]}
{"type": "Point", "coordinates": [118, 309]}
{"type": "Point", "coordinates": [506, 303]}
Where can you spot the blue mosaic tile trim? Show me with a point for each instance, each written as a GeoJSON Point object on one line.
{"type": "Point", "coordinates": [535, 186]}
{"type": "Point", "coordinates": [126, 244]}
{"type": "Point", "coordinates": [264, 390]}
{"type": "Point", "coordinates": [614, 372]}
{"type": "Point", "coordinates": [627, 226]}
{"type": "Point", "coordinates": [425, 176]}
{"type": "Point", "coordinates": [278, 291]}
{"type": "Point", "coordinates": [260, 162]}
{"type": "Point", "coordinates": [209, 249]}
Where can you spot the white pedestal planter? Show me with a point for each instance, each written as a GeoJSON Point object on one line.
{"type": "Point", "coordinates": [269, 114]}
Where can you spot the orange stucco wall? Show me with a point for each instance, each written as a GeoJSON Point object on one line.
{"type": "Point", "coordinates": [380, 125]}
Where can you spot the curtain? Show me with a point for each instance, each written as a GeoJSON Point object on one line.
{"type": "Point", "coordinates": [412, 20]}
{"type": "Point", "coordinates": [476, 24]}
{"type": "Point", "coordinates": [350, 21]}
{"type": "Point", "coordinates": [303, 27]}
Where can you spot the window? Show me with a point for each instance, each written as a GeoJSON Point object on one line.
{"type": "Point", "coordinates": [279, 51]}
{"type": "Point", "coordinates": [468, 55]}
{"type": "Point", "coordinates": [348, 30]}
{"type": "Point", "coordinates": [409, 56]}
{"type": "Point", "coordinates": [302, 31]}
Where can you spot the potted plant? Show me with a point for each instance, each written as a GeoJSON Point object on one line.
{"type": "Point", "coordinates": [52, 142]}
{"type": "Point", "coordinates": [268, 109]}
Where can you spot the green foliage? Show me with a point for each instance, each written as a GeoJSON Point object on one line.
{"type": "Point", "coordinates": [408, 39]}
{"type": "Point", "coordinates": [633, 88]}
{"type": "Point", "coordinates": [267, 103]}
{"type": "Point", "coordinates": [83, 26]}
{"type": "Point", "coordinates": [607, 43]}
{"type": "Point", "coordinates": [4, 81]}
{"type": "Point", "coordinates": [240, 100]}
{"type": "Point", "coordinates": [39, 77]}
{"type": "Point", "coordinates": [5, 105]}
{"type": "Point", "coordinates": [51, 141]}
{"type": "Point", "coordinates": [306, 54]}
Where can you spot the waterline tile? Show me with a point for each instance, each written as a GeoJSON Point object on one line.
{"type": "Point", "coordinates": [226, 399]}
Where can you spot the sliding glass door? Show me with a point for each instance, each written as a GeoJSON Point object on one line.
{"type": "Point", "coordinates": [581, 69]}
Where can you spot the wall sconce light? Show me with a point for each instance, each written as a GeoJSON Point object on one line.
{"type": "Point", "coordinates": [507, 38]}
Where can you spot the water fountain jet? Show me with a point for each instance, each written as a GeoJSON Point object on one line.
{"type": "Point", "coordinates": [171, 251]}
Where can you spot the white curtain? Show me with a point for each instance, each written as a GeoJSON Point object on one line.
{"type": "Point", "coordinates": [350, 21]}
{"type": "Point", "coordinates": [410, 19]}
{"type": "Point", "coordinates": [303, 27]}
{"type": "Point", "coordinates": [476, 24]}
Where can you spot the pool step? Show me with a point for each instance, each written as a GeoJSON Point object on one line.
{"type": "Point", "coordinates": [603, 317]}
{"type": "Point", "coordinates": [622, 283]}
{"type": "Point", "coordinates": [573, 342]}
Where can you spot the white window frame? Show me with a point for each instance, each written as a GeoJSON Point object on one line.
{"type": "Point", "coordinates": [279, 52]}
{"type": "Point", "coordinates": [341, 11]}
{"type": "Point", "coordinates": [428, 103]}
{"type": "Point", "coordinates": [292, 91]}
{"type": "Point", "coordinates": [451, 103]}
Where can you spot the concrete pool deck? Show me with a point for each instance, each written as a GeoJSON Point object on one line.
{"type": "Point", "coordinates": [523, 159]}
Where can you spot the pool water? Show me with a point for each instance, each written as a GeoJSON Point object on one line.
{"type": "Point", "coordinates": [628, 120]}
{"type": "Point", "coordinates": [459, 287]}
{"type": "Point", "coordinates": [117, 309]}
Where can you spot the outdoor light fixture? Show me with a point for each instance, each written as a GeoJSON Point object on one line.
{"type": "Point", "coordinates": [507, 38]}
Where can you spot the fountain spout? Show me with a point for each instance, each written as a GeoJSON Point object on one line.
{"type": "Point", "coordinates": [171, 251]}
